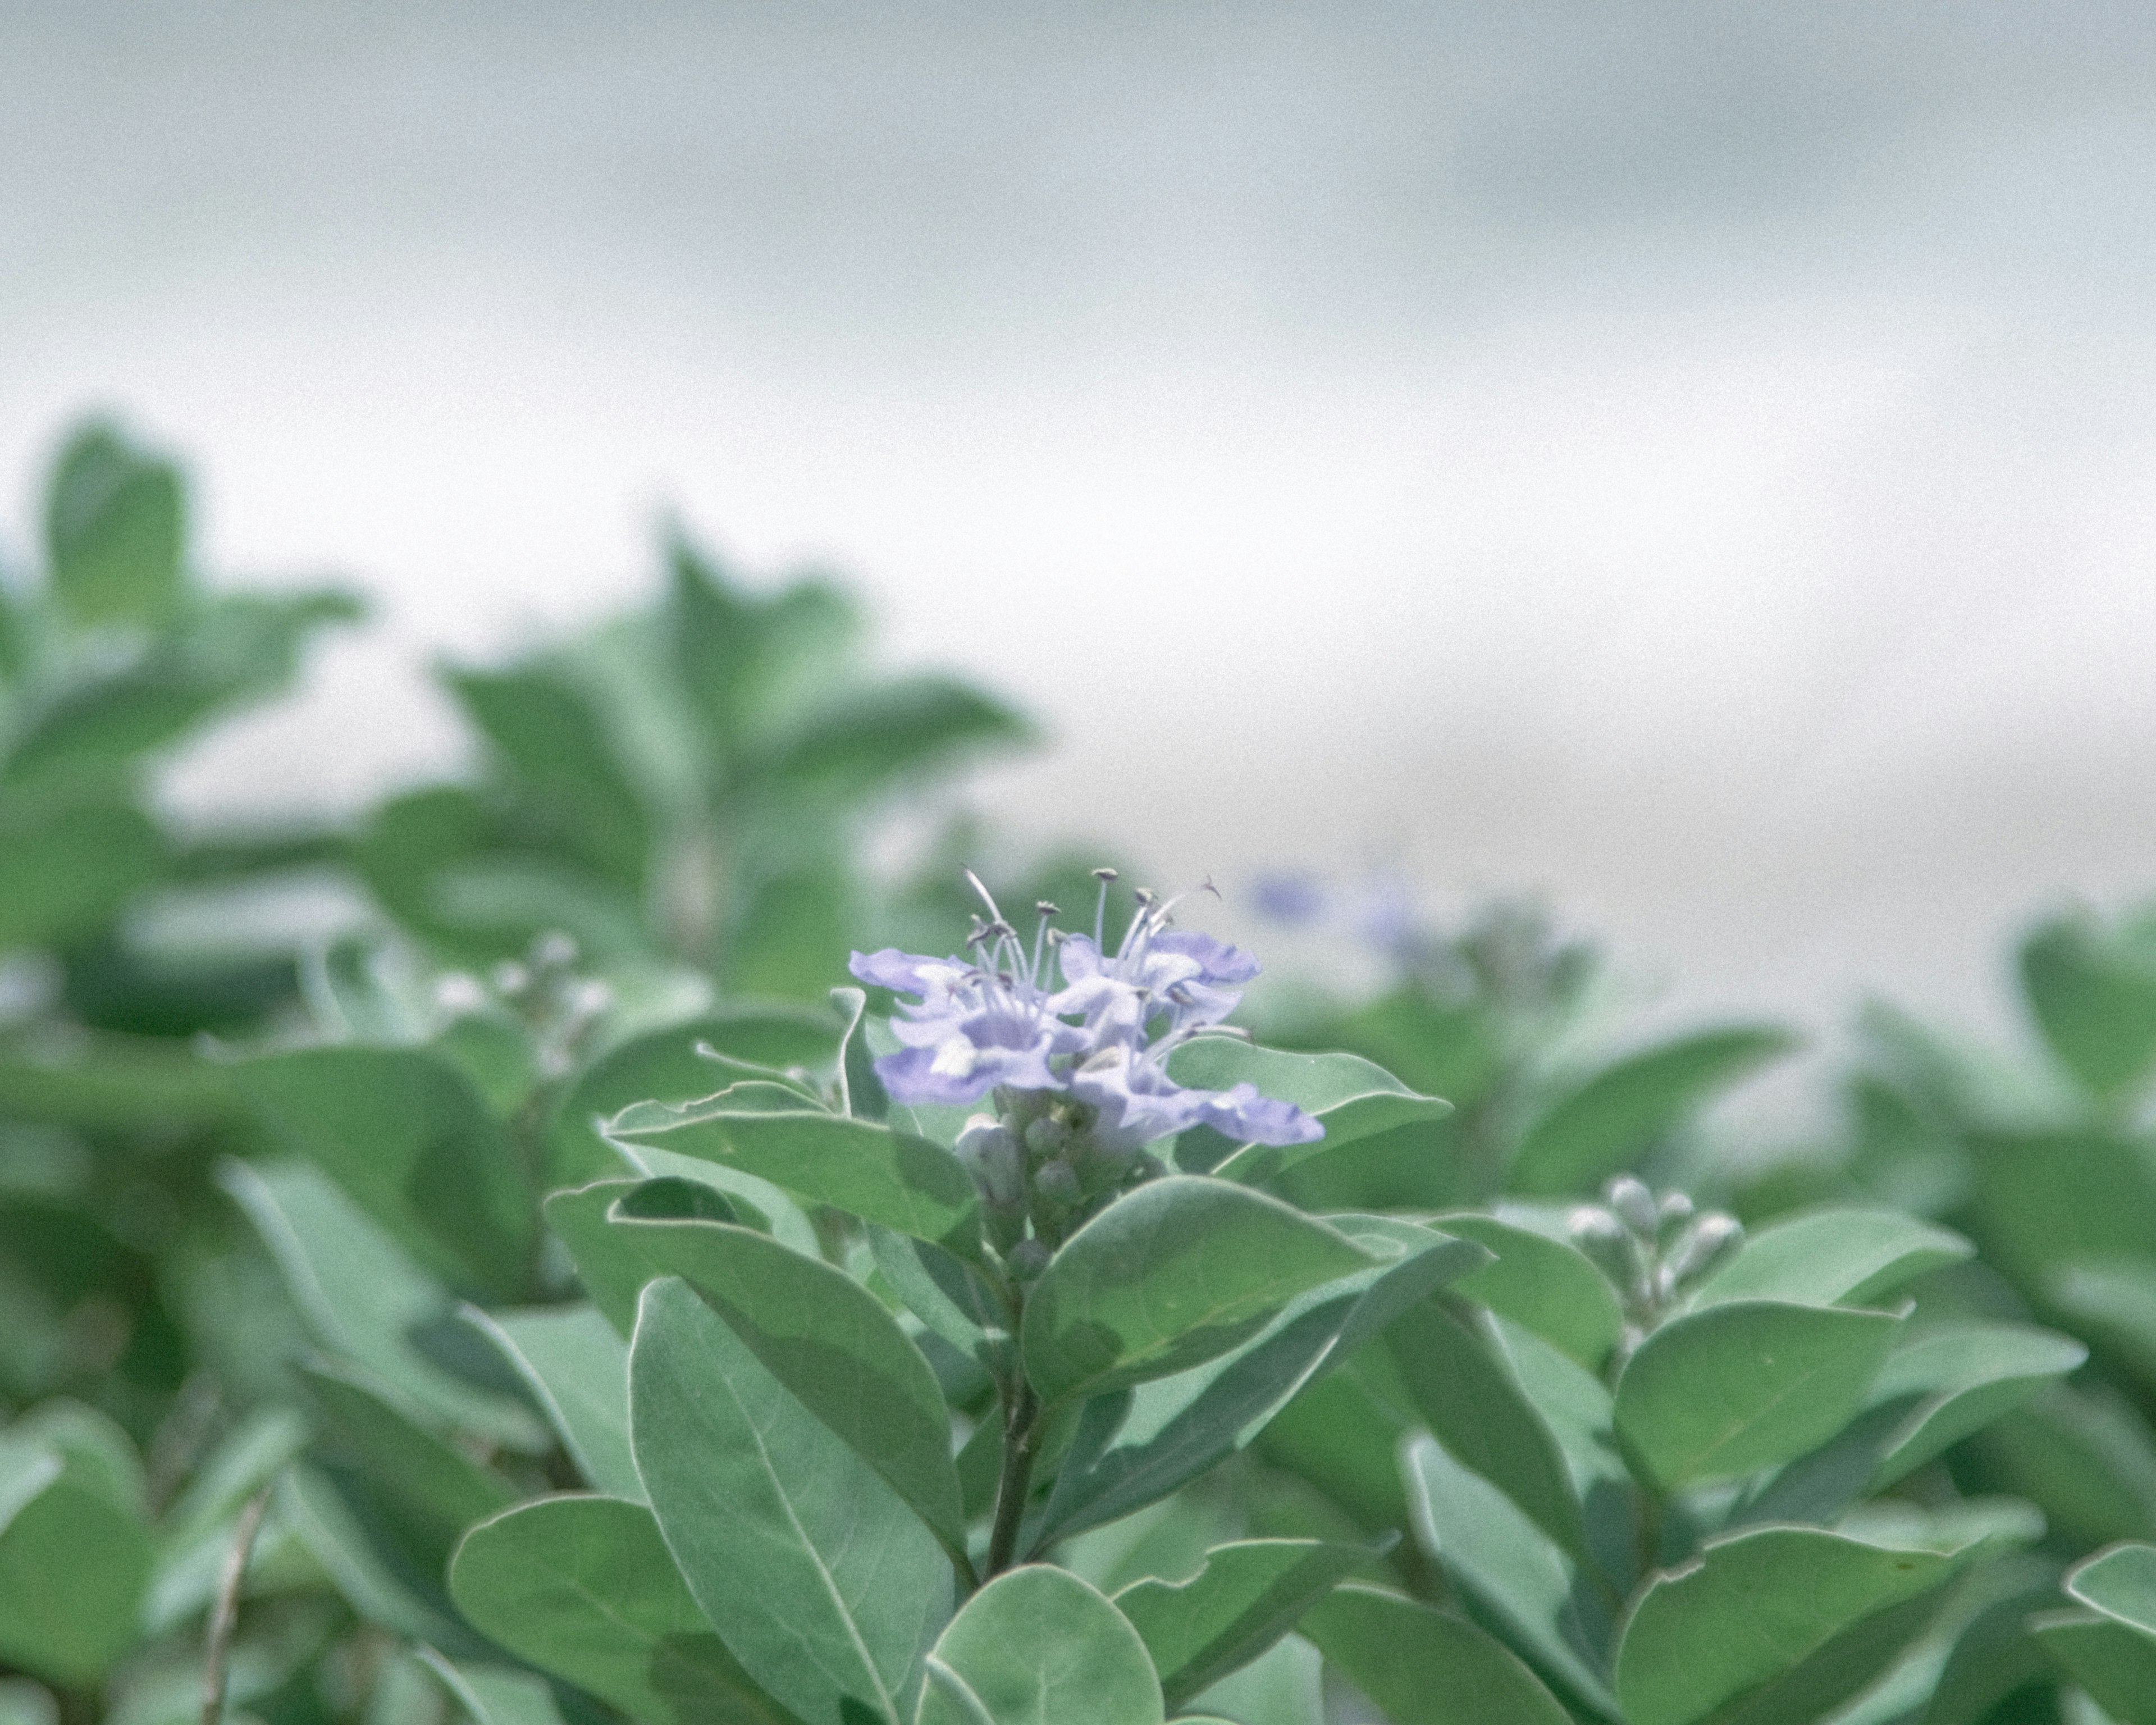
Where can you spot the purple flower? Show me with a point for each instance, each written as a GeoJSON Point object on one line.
{"type": "Point", "coordinates": [1102, 1041]}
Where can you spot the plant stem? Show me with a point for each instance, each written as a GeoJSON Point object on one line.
{"type": "Point", "coordinates": [225, 1614]}
{"type": "Point", "coordinates": [1021, 1432]}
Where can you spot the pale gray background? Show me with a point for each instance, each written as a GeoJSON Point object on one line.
{"type": "Point", "coordinates": [1697, 460]}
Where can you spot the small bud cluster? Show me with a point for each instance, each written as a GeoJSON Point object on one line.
{"type": "Point", "coordinates": [556, 1004]}
{"type": "Point", "coordinates": [1040, 1165]}
{"type": "Point", "coordinates": [1655, 1250]}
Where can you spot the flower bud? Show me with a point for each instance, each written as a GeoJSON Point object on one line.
{"type": "Point", "coordinates": [1672, 1213]}
{"type": "Point", "coordinates": [991, 1151]}
{"type": "Point", "coordinates": [1633, 1204]}
{"type": "Point", "coordinates": [1602, 1237]}
{"type": "Point", "coordinates": [1712, 1241]}
{"type": "Point", "coordinates": [1047, 1137]}
{"type": "Point", "coordinates": [1026, 1260]}
{"type": "Point", "coordinates": [1057, 1182]}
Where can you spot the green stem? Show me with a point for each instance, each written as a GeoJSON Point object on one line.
{"type": "Point", "coordinates": [1021, 1433]}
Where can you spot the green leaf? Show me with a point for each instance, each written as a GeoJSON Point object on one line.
{"type": "Point", "coordinates": [1962, 1377]}
{"type": "Point", "coordinates": [946, 1294]}
{"type": "Point", "coordinates": [821, 1580]}
{"type": "Point", "coordinates": [436, 1489]}
{"type": "Point", "coordinates": [1514, 1571]}
{"type": "Point", "coordinates": [1249, 1594]}
{"type": "Point", "coordinates": [495, 1694]}
{"type": "Point", "coordinates": [1832, 1257]}
{"type": "Point", "coordinates": [832, 1343]}
{"type": "Point", "coordinates": [2051, 1199]}
{"type": "Point", "coordinates": [2092, 993]}
{"type": "Point", "coordinates": [2121, 1583]}
{"type": "Point", "coordinates": [1611, 1119]}
{"type": "Point", "coordinates": [1135, 1447]}
{"type": "Point", "coordinates": [585, 1588]}
{"type": "Point", "coordinates": [410, 1138]}
{"type": "Point", "coordinates": [577, 1368]}
{"type": "Point", "coordinates": [65, 869]}
{"type": "Point", "coordinates": [554, 740]}
{"type": "Point", "coordinates": [667, 1066]}
{"type": "Point", "coordinates": [2116, 1665]}
{"type": "Point", "coordinates": [1751, 1609]}
{"type": "Point", "coordinates": [376, 1578]}
{"type": "Point", "coordinates": [1348, 1096]}
{"type": "Point", "coordinates": [1038, 1646]}
{"type": "Point", "coordinates": [1181, 1271]}
{"type": "Point", "coordinates": [1283, 1686]}
{"type": "Point", "coordinates": [75, 1555]}
{"type": "Point", "coordinates": [867, 741]}
{"type": "Point", "coordinates": [859, 1166]}
{"type": "Point", "coordinates": [361, 1297]}
{"type": "Point", "coordinates": [116, 531]}
{"type": "Point", "coordinates": [1540, 1283]}
{"type": "Point", "coordinates": [611, 1267]}
{"type": "Point", "coordinates": [2116, 1298]}
{"type": "Point", "coordinates": [1424, 1666]}
{"type": "Point", "coordinates": [1464, 1390]}
{"type": "Point", "coordinates": [1722, 1393]}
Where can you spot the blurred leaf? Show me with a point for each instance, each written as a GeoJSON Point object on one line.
{"type": "Point", "coordinates": [115, 530]}
{"type": "Point", "coordinates": [1832, 1257]}
{"type": "Point", "coordinates": [1752, 1609]}
{"type": "Point", "coordinates": [1180, 1271]}
{"type": "Point", "coordinates": [75, 1553]}
{"type": "Point", "coordinates": [1724, 1392]}
{"type": "Point", "coordinates": [554, 741]}
{"type": "Point", "coordinates": [411, 1140]}
{"type": "Point", "coordinates": [873, 739]}
{"type": "Point", "coordinates": [1540, 1283]}
{"type": "Point", "coordinates": [584, 1588]}
{"type": "Point", "coordinates": [2082, 1454]}
{"type": "Point", "coordinates": [1249, 1594]}
{"type": "Point", "coordinates": [1425, 1666]}
{"type": "Point", "coordinates": [495, 1694]}
{"type": "Point", "coordinates": [2116, 1665]}
{"type": "Point", "coordinates": [66, 868]}
{"type": "Point", "coordinates": [435, 1489]}
{"type": "Point", "coordinates": [363, 1298]}
{"type": "Point", "coordinates": [577, 1368]}
{"type": "Point", "coordinates": [789, 941]}
{"type": "Point", "coordinates": [831, 1343]}
{"type": "Point", "coordinates": [1608, 1121]}
{"type": "Point", "coordinates": [1283, 1686]}
{"type": "Point", "coordinates": [1964, 1377]}
{"type": "Point", "coordinates": [2092, 993]}
{"type": "Point", "coordinates": [743, 659]}
{"type": "Point", "coordinates": [1512, 1570]}
{"type": "Point", "coordinates": [848, 1587]}
{"type": "Point", "coordinates": [229, 651]}
{"type": "Point", "coordinates": [2119, 1581]}
{"type": "Point", "coordinates": [2046, 1200]}
{"type": "Point", "coordinates": [1038, 1646]}
{"type": "Point", "coordinates": [378, 1583]}
{"type": "Point", "coordinates": [1347, 1096]}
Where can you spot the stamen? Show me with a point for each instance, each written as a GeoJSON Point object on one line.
{"type": "Point", "coordinates": [987, 898]}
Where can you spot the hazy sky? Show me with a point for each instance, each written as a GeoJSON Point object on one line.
{"type": "Point", "coordinates": [1696, 459]}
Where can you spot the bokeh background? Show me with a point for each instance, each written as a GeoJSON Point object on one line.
{"type": "Point", "coordinates": [1695, 461]}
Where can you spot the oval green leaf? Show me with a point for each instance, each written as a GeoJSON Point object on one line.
{"type": "Point", "coordinates": [1720, 1393]}
{"type": "Point", "coordinates": [1425, 1666]}
{"type": "Point", "coordinates": [585, 1588]}
{"type": "Point", "coordinates": [1833, 1257]}
{"type": "Point", "coordinates": [1038, 1646]}
{"type": "Point", "coordinates": [821, 1580]}
{"type": "Point", "coordinates": [1181, 1271]}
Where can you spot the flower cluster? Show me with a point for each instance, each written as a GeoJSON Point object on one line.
{"type": "Point", "coordinates": [1079, 1072]}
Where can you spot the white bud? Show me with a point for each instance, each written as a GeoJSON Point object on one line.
{"type": "Point", "coordinates": [1633, 1203]}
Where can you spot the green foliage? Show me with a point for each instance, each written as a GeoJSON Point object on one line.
{"type": "Point", "coordinates": [531, 1309]}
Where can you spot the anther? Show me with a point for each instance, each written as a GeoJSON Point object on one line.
{"type": "Point", "coordinates": [1046, 909]}
{"type": "Point", "coordinates": [1104, 876]}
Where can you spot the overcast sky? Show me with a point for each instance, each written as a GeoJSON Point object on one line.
{"type": "Point", "coordinates": [1697, 461]}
